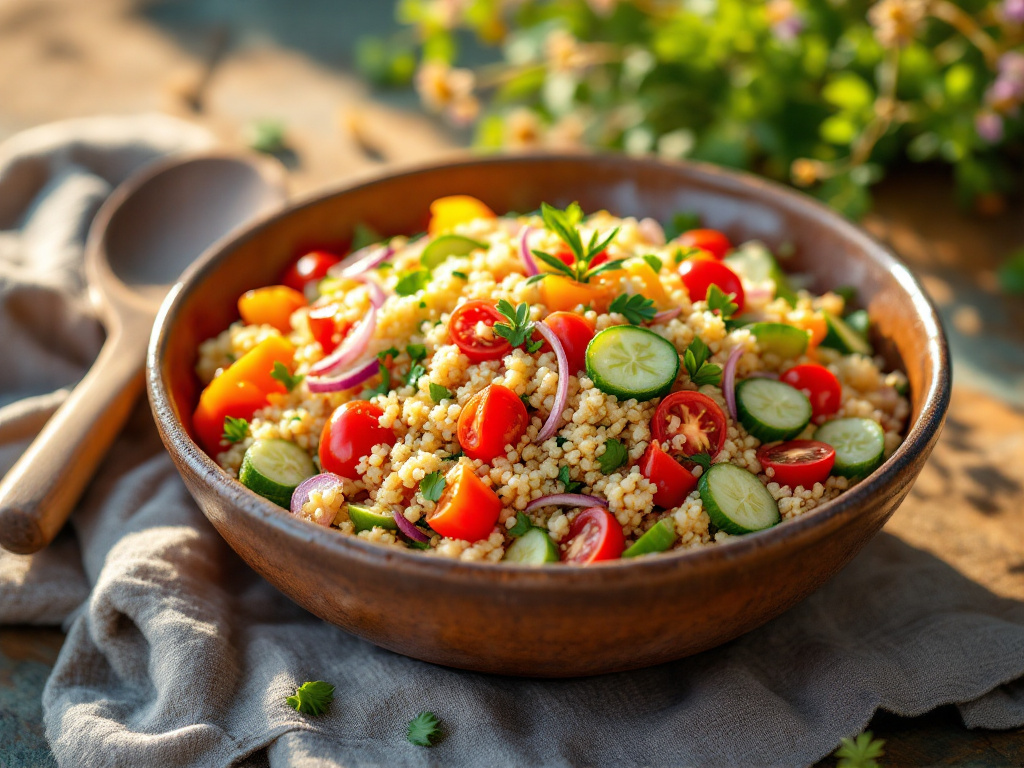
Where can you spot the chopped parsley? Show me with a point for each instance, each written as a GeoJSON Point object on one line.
{"type": "Point", "coordinates": [571, 486]}
{"type": "Point", "coordinates": [703, 459]}
{"type": "Point", "coordinates": [235, 430]}
{"type": "Point", "coordinates": [682, 254]}
{"type": "Point", "coordinates": [453, 456]}
{"type": "Point", "coordinates": [432, 486]}
{"type": "Point", "coordinates": [364, 235]}
{"type": "Point", "coordinates": [681, 222]}
{"type": "Point", "coordinates": [424, 729]}
{"type": "Point", "coordinates": [860, 752]}
{"type": "Point", "coordinates": [635, 308]}
{"type": "Point", "coordinates": [560, 441]}
{"type": "Point", "coordinates": [614, 456]}
{"type": "Point", "coordinates": [696, 361]}
{"type": "Point", "coordinates": [518, 331]}
{"type": "Point", "coordinates": [282, 374]}
{"type": "Point", "coordinates": [391, 352]}
{"type": "Point", "coordinates": [522, 525]}
{"type": "Point", "coordinates": [461, 275]}
{"type": "Point", "coordinates": [525, 399]}
{"type": "Point", "coordinates": [416, 352]}
{"type": "Point", "coordinates": [439, 393]}
{"type": "Point", "coordinates": [722, 303]}
{"type": "Point", "coordinates": [312, 698]}
{"type": "Point", "coordinates": [417, 372]}
{"type": "Point", "coordinates": [385, 383]}
{"type": "Point", "coordinates": [654, 262]}
{"type": "Point", "coordinates": [413, 282]}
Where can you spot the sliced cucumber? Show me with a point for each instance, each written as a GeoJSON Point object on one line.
{"type": "Point", "coordinates": [842, 337]}
{"type": "Point", "coordinates": [658, 538]}
{"type": "Point", "coordinates": [448, 245]}
{"type": "Point", "coordinates": [274, 468]}
{"type": "Point", "coordinates": [365, 519]}
{"type": "Point", "coordinates": [786, 341]}
{"type": "Point", "coordinates": [771, 410]}
{"type": "Point", "coordinates": [532, 548]}
{"type": "Point", "coordinates": [859, 444]}
{"type": "Point", "coordinates": [736, 501]}
{"type": "Point", "coordinates": [755, 262]}
{"type": "Point", "coordinates": [632, 362]}
{"type": "Point", "coordinates": [859, 321]}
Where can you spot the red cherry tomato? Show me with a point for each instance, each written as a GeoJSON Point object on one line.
{"type": "Point", "coordinates": [700, 274]}
{"type": "Point", "coordinates": [566, 255]}
{"type": "Point", "coordinates": [819, 384]}
{"type": "Point", "coordinates": [594, 535]}
{"type": "Point", "coordinates": [467, 509]}
{"type": "Point", "coordinates": [674, 481]}
{"type": "Point", "coordinates": [798, 462]}
{"type": "Point", "coordinates": [350, 434]}
{"type": "Point", "coordinates": [575, 332]}
{"type": "Point", "coordinates": [710, 240]}
{"type": "Point", "coordinates": [696, 417]}
{"type": "Point", "coordinates": [462, 326]}
{"type": "Point", "coordinates": [309, 268]}
{"type": "Point", "coordinates": [325, 329]}
{"type": "Point", "coordinates": [493, 418]}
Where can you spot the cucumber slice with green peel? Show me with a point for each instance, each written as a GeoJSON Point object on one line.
{"type": "Point", "coordinates": [755, 262]}
{"type": "Point", "coordinates": [859, 445]}
{"type": "Point", "coordinates": [274, 469]}
{"type": "Point", "coordinates": [365, 519]}
{"type": "Point", "coordinates": [532, 548]}
{"type": "Point", "coordinates": [632, 362]}
{"type": "Point", "coordinates": [736, 501]}
{"type": "Point", "coordinates": [772, 410]}
{"type": "Point", "coordinates": [842, 337]}
{"type": "Point", "coordinates": [786, 341]}
{"type": "Point", "coordinates": [438, 250]}
{"type": "Point", "coordinates": [859, 321]}
{"type": "Point", "coordinates": [658, 538]}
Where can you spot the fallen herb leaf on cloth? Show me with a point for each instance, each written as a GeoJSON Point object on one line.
{"type": "Point", "coordinates": [312, 698]}
{"type": "Point", "coordinates": [424, 729]}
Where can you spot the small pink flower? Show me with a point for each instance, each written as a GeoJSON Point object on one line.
{"type": "Point", "coordinates": [785, 22]}
{"type": "Point", "coordinates": [989, 126]}
{"type": "Point", "coordinates": [1013, 11]}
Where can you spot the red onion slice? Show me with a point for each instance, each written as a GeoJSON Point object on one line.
{"type": "Point", "coordinates": [351, 349]}
{"type": "Point", "coordinates": [347, 379]}
{"type": "Point", "coordinates": [524, 251]}
{"type": "Point", "coordinates": [361, 261]}
{"type": "Point", "coordinates": [729, 380]}
{"type": "Point", "coordinates": [562, 395]}
{"type": "Point", "coordinates": [759, 293]}
{"type": "Point", "coordinates": [566, 500]}
{"type": "Point", "coordinates": [377, 295]}
{"type": "Point", "coordinates": [668, 314]}
{"type": "Point", "coordinates": [321, 482]}
{"type": "Point", "coordinates": [408, 528]}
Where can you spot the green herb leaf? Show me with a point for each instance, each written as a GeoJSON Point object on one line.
{"type": "Point", "coordinates": [681, 222]}
{"type": "Point", "coordinates": [432, 486]}
{"type": "Point", "coordinates": [453, 456]}
{"type": "Point", "coordinates": [424, 729]}
{"type": "Point", "coordinates": [523, 524]}
{"type": "Point", "coordinates": [682, 254]}
{"type": "Point", "coordinates": [614, 456]}
{"type": "Point", "coordinates": [461, 275]}
{"type": "Point", "coordinates": [560, 441]}
{"type": "Point", "coordinates": [439, 393]}
{"type": "Point", "coordinates": [635, 308]}
{"type": "Point", "coordinates": [537, 278]}
{"type": "Point", "coordinates": [555, 263]}
{"type": "Point", "coordinates": [653, 261]}
{"type": "Point", "coordinates": [416, 352]}
{"type": "Point", "coordinates": [608, 266]}
{"type": "Point", "coordinates": [364, 235]}
{"type": "Point", "coordinates": [525, 399]}
{"type": "Point", "coordinates": [571, 486]}
{"type": "Point", "coordinates": [533, 346]}
{"type": "Point", "coordinates": [519, 328]}
{"type": "Point", "coordinates": [391, 352]}
{"type": "Point", "coordinates": [235, 430]}
{"type": "Point", "coordinates": [312, 698]}
{"type": "Point", "coordinates": [695, 360]}
{"type": "Point", "coordinates": [719, 301]}
{"type": "Point", "coordinates": [563, 224]}
{"type": "Point", "coordinates": [413, 282]}
{"type": "Point", "coordinates": [385, 383]}
{"type": "Point", "coordinates": [416, 372]}
{"type": "Point", "coordinates": [384, 265]}
{"type": "Point", "coordinates": [703, 459]}
{"type": "Point", "coordinates": [860, 752]}
{"type": "Point", "coordinates": [282, 374]}
{"type": "Point", "coordinates": [266, 136]}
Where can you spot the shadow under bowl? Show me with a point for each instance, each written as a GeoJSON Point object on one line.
{"type": "Point", "coordinates": [553, 621]}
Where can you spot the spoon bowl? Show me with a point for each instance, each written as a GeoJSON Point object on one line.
{"type": "Point", "coordinates": [147, 232]}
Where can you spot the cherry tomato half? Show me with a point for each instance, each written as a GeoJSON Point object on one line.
{"type": "Point", "coordinates": [325, 329]}
{"type": "Point", "coordinates": [819, 384]}
{"type": "Point", "coordinates": [710, 240]}
{"type": "Point", "coordinates": [462, 326]}
{"type": "Point", "coordinates": [467, 509]}
{"type": "Point", "coordinates": [309, 268]}
{"type": "Point", "coordinates": [798, 462]}
{"type": "Point", "coordinates": [594, 535]}
{"type": "Point", "coordinates": [493, 418]}
{"type": "Point", "coordinates": [575, 332]}
{"type": "Point", "coordinates": [350, 434]}
{"type": "Point", "coordinates": [700, 274]}
{"type": "Point", "coordinates": [696, 417]}
{"type": "Point", "coordinates": [568, 257]}
{"type": "Point", "coordinates": [674, 481]}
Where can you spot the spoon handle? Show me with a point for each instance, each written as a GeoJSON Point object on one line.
{"type": "Point", "coordinates": [42, 488]}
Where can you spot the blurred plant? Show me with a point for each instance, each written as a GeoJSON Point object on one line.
{"type": "Point", "coordinates": [267, 136]}
{"type": "Point", "coordinates": [824, 93]}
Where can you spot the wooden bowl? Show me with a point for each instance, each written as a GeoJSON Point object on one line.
{"type": "Point", "coordinates": [553, 621]}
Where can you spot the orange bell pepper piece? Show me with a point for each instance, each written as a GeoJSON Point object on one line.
{"type": "Point", "coordinates": [446, 212]}
{"type": "Point", "coordinates": [272, 305]}
{"type": "Point", "coordinates": [563, 294]}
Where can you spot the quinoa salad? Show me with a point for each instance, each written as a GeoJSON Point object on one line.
{"type": "Point", "coordinates": [546, 387]}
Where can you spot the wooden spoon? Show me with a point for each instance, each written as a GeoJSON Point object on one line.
{"type": "Point", "coordinates": [152, 227]}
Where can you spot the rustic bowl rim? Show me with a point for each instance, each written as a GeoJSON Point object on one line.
{"type": "Point", "coordinates": [807, 527]}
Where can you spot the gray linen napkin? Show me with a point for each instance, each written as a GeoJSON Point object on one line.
{"type": "Point", "coordinates": [178, 655]}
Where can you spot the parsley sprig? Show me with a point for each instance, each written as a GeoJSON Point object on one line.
{"type": "Point", "coordinates": [571, 486]}
{"type": "Point", "coordinates": [564, 224]}
{"type": "Point", "coordinates": [417, 352]}
{"type": "Point", "coordinates": [282, 374]}
{"type": "Point", "coordinates": [424, 729]}
{"type": "Point", "coordinates": [636, 308]}
{"type": "Point", "coordinates": [235, 430]}
{"type": "Point", "coordinates": [703, 459]}
{"type": "Point", "coordinates": [519, 328]}
{"type": "Point", "coordinates": [523, 524]}
{"type": "Point", "coordinates": [860, 752]}
{"type": "Point", "coordinates": [439, 393]}
{"type": "Point", "coordinates": [312, 698]}
{"type": "Point", "coordinates": [432, 486]}
{"type": "Point", "coordinates": [721, 302]}
{"type": "Point", "coordinates": [697, 366]}
{"type": "Point", "coordinates": [614, 456]}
